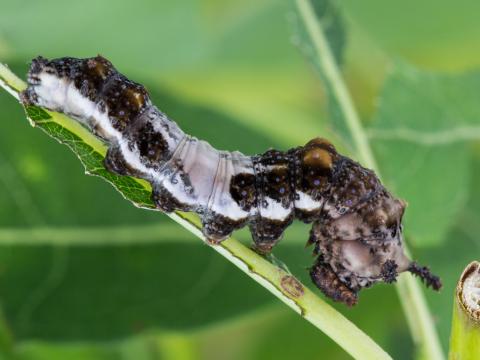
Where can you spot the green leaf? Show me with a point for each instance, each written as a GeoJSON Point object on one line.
{"type": "Point", "coordinates": [91, 153]}
{"type": "Point", "coordinates": [421, 133]}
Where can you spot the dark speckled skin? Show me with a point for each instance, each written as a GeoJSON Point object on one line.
{"type": "Point", "coordinates": [356, 229]}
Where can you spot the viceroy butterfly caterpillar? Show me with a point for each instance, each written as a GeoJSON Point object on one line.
{"type": "Point", "coordinates": [356, 232]}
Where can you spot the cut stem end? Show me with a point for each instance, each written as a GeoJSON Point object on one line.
{"type": "Point", "coordinates": [468, 291]}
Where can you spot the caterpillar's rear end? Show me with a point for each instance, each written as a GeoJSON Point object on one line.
{"type": "Point", "coordinates": [356, 232]}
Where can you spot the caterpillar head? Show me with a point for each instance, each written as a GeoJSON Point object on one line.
{"type": "Point", "coordinates": [52, 82]}
{"type": "Point", "coordinates": [46, 87]}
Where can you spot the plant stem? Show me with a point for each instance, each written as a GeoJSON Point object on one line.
{"type": "Point", "coordinates": [411, 296]}
{"type": "Point", "coordinates": [465, 337]}
{"type": "Point", "coordinates": [334, 78]}
{"type": "Point", "coordinates": [280, 283]}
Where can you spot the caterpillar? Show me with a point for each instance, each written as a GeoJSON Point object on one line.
{"type": "Point", "coordinates": [357, 222]}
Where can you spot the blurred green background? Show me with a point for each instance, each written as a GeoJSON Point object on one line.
{"type": "Point", "coordinates": [227, 71]}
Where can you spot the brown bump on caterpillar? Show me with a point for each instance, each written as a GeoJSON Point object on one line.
{"type": "Point", "coordinates": [318, 157]}
{"type": "Point", "coordinates": [321, 142]}
{"type": "Point", "coordinates": [83, 73]}
{"type": "Point", "coordinates": [136, 97]}
{"type": "Point", "coordinates": [99, 66]}
{"type": "Point", "coordinates": [125, 100]}
{"type": "Point", "coordinates": [292, 286]}
{"type": "Point", "coordinates": [317, 160]}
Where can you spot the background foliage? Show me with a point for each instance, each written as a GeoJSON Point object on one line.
{"type": "Point", "coordinates": [228, 72]}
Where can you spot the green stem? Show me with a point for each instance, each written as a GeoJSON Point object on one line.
{"type": "Point", "coordinates": [334, 78]}
{"type": "Point", "coordinates": [280, 283]}
{"type": "Point", "coordinates": [465, 338]}
{"type": "Point", "coordinates": [411, 296]}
